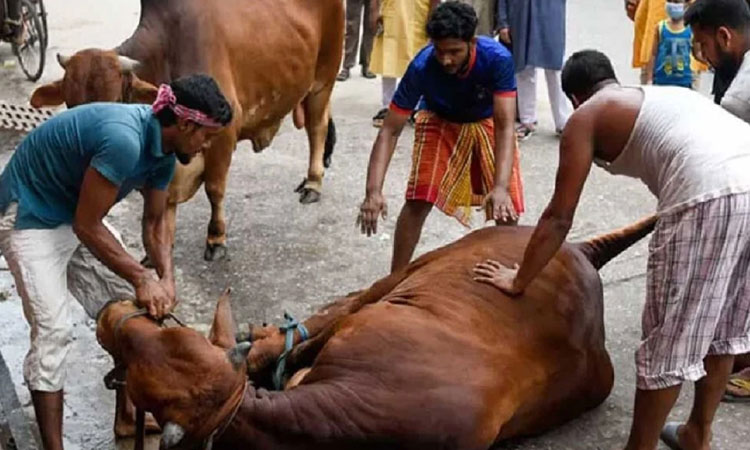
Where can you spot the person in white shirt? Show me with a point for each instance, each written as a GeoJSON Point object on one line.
{"type": "Point", "coordinates": [697, 311]}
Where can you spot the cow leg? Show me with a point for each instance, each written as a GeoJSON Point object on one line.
{"type": "Point", "coordinates": [317, 124]}
{"type": "Point", "coordinates": [215, 178]}
{"type": "Point", "coordinates": [125, 416]}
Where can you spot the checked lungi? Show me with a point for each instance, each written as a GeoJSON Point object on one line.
{"type": "Point", "coordinates": [453, 166]}
{"type": "Point", "coordinates": [697, 293]}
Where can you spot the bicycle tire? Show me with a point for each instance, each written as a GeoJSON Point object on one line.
{"type": "Point", "coordinates": [36, 37]}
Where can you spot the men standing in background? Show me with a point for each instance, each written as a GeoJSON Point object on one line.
{"type": "Point", "coordinates": [485, 10]}
{"type": "Point", "coordinates": [400, 34]}
{"type": "Point", "coordinates": [535, 30]}
{"type": "Point", "coordinates": [354, 23]}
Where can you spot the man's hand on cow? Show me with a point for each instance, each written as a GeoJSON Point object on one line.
{"type": "Point", "coordinates": [496, 274]}
{"type": "Point", "coordinates": [499, 206]}
{"type": "Point", "coordinates": [373, 206]}
{"type": "Point", "coordinates": [155, 296]}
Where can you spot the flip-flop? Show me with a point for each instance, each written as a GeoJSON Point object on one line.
{"type": "Point", "coordinates": [669, 435]}
{"type": "Point", "coordinates": [739, 383]}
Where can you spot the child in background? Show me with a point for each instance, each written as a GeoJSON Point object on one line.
{"type": "Point", "coordinates": [670, 63]}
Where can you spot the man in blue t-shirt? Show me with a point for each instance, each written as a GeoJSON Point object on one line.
{"type": "Point", "coordinates": [54, 194]}
{"type": "Point", "coordinates": [465, 89]}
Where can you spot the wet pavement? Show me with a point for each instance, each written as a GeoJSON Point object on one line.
{"type": "Point", "coordinates": [288, 256]}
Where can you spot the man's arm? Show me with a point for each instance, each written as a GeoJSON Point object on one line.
{"type": "Point", "coordinates": [501, 19]}
{"type": "Point", "coordinates": [382, 151]}
{"type": "Point", "coordinates": [96, 197]}
{"type": "Point", "coordinates": [504, 113]}
{"type": "Point", "coordinates": [375, 16]}
{"type": "Point", "coordinates": [631, 6]}
{"type": "Point", "coordinates": [576, 156]}
{"type": "Point", "coordinates": [155, 234]}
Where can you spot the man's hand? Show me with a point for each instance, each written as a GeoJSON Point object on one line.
{"type": "Point", "coordinates": [497, 275]}
{"type": "Point", "coordinates": [156, 296]}
{"type": "Point", "coordinates": [373, 206]}
{"type": "Point", "coordinates": [630, 7]}
{"type": "Point", "coordinates": [376, 24]}
{"type": "Point", "coordinates": [504, 35]}
{"type": "Point", "coordinates": [500, 207]}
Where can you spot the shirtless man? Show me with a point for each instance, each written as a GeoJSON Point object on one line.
{"type": "Point", "coordinates": [697, 312]}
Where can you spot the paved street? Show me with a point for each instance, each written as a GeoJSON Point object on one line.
{"type": "Point", "coordinates": [288, 256]}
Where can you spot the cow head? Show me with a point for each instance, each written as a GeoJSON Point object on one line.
{"type": "Point", "coordinates": [190, 384]}
{"type": "Point", "coordinates": [95, 76]}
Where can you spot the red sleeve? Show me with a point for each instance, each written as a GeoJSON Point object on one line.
{"type": "Point", "coordinates": [506, 94]}
{"type": "Point", "coordinates": [399, 110]}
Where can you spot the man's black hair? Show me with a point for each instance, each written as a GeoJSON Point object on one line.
{"type": "Point", "coordinates": [199, 92]}
{"type": "Point", "coordinates": [712, 14]}
{"type": "Point", "coordinates": [584, 70]}
{"type": "Point", "coordinates": [452, 20]}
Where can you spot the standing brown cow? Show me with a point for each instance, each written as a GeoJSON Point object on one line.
{"type": "Point", "coordinates": [270, 57]}
{"type": "Point", "coordinates": [426, 358]}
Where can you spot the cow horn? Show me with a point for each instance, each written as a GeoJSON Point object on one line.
{"type": "Point", "coordinates": [238, 354]}
{"type": "Point", "coordinates": [63, 60]}
{"type": "Point", "coordinates": [128, 65]}
{"type": "Point", "coordinates": [171, 436]}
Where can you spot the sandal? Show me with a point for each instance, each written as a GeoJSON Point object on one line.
{"type": "Point", "coordinates": [524, 131]}
{"type": "Point", "coordinates": [738, 391]}
{"type": "Point", "coordinates": [377, 120]}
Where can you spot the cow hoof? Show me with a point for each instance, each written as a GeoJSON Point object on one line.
{"type": "Point", "coordinates": [216, 252]}
{"type": "Point", "coordinates": [308, 196]}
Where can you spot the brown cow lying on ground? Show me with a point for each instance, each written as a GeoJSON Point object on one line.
{"type": "Point", "coordinates": [269, 57]}
{"type": "Point", "coordinates": [425, 358]}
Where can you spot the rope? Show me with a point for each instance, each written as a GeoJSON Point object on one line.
{"type": "Point", "coordinates": [289, 326]}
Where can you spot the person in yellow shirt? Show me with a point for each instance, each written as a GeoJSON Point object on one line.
{"type": "Point", "coordinates": [400, 35]}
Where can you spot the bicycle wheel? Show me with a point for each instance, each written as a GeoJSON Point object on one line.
{"type": "Point", "coordinates": [31, 53]}
{"type": "Point", "coordinates": [43, 14]}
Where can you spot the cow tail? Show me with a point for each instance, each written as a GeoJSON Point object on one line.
{"type": "Point", "coordinates": [600, 250]}
{"type": "Point", "coordinates": [330, 143]}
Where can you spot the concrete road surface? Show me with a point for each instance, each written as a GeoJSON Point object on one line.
{"type": "Point", "coordinates": [286, 256]}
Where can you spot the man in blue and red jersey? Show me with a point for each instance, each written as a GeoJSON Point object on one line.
{"type": "Point", "coordinates": [465, 90]}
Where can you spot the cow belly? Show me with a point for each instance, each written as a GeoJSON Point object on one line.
{"type": "Point", "coordinates": [408, 358]}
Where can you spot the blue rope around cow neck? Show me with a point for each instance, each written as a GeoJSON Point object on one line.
{"type": "Point", "coordinates": [290, 324]}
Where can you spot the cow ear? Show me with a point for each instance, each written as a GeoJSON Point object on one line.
{"type": "Point", "coordinates": [48, 95]}
{"type": "Point", "coordinates": [223, 329]}
{"type": "Point", "coordinates": [142, 91]}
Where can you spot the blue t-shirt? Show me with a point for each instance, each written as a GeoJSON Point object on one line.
{"type": "Point", "coordinates": [458, 98]}
{"type": "Point", "coordinates": [44, 176]}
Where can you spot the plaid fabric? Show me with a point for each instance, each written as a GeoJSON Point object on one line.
{"type": "Point", "coordinates": [698, 292]}
{"type": "Point", "coordinates": [453, 166]}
